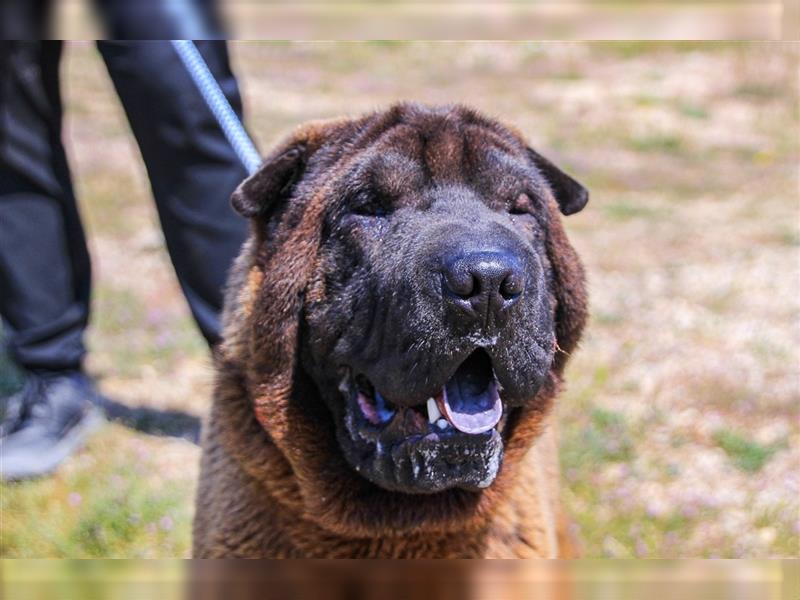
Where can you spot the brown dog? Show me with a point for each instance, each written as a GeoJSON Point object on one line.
{"type": "Point", "coordinates": [396, 331]}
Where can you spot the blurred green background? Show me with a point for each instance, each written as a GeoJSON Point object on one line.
{"type": "Point", "coordinates": [679, 427]}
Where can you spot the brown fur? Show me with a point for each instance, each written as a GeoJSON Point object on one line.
{"type": "Point", "coordinates": [273, 483]}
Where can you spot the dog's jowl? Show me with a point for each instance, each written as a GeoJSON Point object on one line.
{"type": "Point", "coordinates": [396, 330]}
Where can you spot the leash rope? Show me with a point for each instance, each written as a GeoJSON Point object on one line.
{"type": "Point", "coordinates": [222, 110]}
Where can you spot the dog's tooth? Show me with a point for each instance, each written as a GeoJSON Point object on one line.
{"type": "Point", "coordinates": [433, 411]}
{"type": "Point", "coordinates": [442, 424]}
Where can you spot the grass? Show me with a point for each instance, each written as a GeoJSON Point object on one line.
{"type": "Point", "coordinates": [623, 211]}
{"type": "Point", "coordinates": [604, 438]}
{"type": "Point", "coordinates": [790, 237]}
{"type": "Point", "coordinates": [117, 499]}
{"type": "Point", "coordinates": [638, 48]}
{"type": "Point", "coordinates": [658, 143]}
{"type": "Point", "coordinates": [746, 454]}
{"type": "Point", "coordinates": [128, 334]}
{"type": "Point", "coordinates": [756, 90]}
{"type": "Point", "coordinates": [694, 111]}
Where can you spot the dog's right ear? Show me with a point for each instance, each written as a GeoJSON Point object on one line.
{"type": "Point", "coordinates": [570, 195]}
{"type": "Point", "coordinates": [273, 181]}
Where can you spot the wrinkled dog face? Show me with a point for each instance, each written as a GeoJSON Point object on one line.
{"type": "Point", "coordinates": [429, 319]}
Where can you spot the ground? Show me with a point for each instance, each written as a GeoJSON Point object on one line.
{"type": "Point", "coordinates": [679, 427]}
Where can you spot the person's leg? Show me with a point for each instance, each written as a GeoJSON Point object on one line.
{"type": "Point", "coordinates": [44, 269]}
{"type": "Point", "coordinates": [44, 264]}
{"type": "Point", "coordinates": [192, 168]}
{"type": "Point", "coordinates": [26, 20]}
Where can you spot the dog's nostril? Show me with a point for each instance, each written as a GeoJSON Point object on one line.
{"type": "Point", "coordinates": [512, 286]}
{"type": "Point", "coordinates": [461, 282]}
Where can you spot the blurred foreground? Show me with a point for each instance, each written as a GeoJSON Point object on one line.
{"type": "Point", "coordinates": [679, 427]}
{"type": "Point", "coordinates": [423, 580]}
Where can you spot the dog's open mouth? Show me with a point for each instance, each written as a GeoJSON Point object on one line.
{"type": "Point", "coordinates": [450, 440]}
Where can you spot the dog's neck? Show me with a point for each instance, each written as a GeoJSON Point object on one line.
{"type": "Point", "coordinates": [524, 526]}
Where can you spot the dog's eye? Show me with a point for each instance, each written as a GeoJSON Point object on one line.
{"type": "Point", "coordinates": [369, 207]}
{"type": "Point", "coordinates": [521, 205]}
{"type": "Point", "coordinates": [370, 210]}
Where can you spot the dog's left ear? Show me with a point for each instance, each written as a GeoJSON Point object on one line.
{"type": "Point", "coordinates": [570, 195]}
{"type": "Point", "coordinates": [262, 191]}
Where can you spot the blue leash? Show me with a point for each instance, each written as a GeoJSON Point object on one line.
{"type": "Point", "coordinates": [218, 104]}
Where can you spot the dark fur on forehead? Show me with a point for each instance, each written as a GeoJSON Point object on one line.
{"type": "Point", "coordinates": [446, 141]}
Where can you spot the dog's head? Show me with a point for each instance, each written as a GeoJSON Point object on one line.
{"type": "Point", "coordinates": [409, 304]}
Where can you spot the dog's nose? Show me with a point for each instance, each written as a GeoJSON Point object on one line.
{"type": "Point", "coordinates": [485, 283]}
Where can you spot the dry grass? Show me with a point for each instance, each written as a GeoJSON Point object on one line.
{"type": "Point", "coordinates": [680, 430]}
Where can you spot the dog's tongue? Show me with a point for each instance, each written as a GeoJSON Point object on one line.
{"type": "Point", "coordinates": [470, 401]}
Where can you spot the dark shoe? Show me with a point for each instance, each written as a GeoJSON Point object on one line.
{"type": "Point", "coordinates": [45, 422]}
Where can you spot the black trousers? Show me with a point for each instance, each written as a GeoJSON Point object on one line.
{"type": "Point", "coordinates": [45, 274]}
